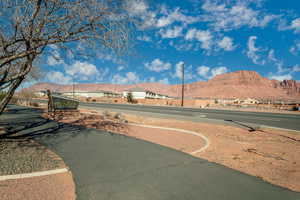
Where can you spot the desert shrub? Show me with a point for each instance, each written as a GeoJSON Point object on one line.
{"type": "Point", "coordinates": [295, 108]}
{"type": "Point", "coordinates": [34, 104]}
{"type": "Point", "coordinates": [118, 116]}
{"type": "Point", "coordinates": [88, 99]}
{"type": "Point", "coordinates": [106, 114]}
{"type": "Point", "coordinates": [130, 98]}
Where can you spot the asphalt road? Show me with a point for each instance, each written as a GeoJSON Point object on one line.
{"type": "Point", "coordinates": [111, 166]}
{"type": "Point", "coordinates": [287, 121]}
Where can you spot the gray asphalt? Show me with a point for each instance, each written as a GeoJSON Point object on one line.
{"type": "Point", "coordinates": [287, 121]}
{"type": "Point", "coordinates": [110, 166]}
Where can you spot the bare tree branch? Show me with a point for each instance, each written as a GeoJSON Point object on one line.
{"type": "Point", "coordinates": [27, 27]}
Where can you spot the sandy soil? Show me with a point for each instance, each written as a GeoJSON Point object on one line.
{"type": "Point", "coordinates": [51, 187]}
{"type": "Point", "coordinates": [272, 155]}
{"type": "Point", "coordinates": [26, 156]}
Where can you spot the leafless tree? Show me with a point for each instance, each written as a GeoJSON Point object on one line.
{"type": "Point", "coordinates": [27, 27]}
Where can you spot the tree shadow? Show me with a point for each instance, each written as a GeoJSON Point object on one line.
{"type": "Point", "coordinates": [252, 129]}
{"type": "Point", "coordinates": [249, 128]}
{"type": "Point", "coordinates": [28, 124]}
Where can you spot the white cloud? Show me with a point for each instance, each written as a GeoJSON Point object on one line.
{"type": "Point", "coordinates": [51, 60]}
{"type": "Point", "coordinates": [295, 48]}
{"type": "Point", "coordinates": [157, 65]}
{"type": "Point", "coordinates": [184, 45]}
{"type": "Point", "coordinates": [296, 25]}
{"type": "Point", "coordinates": [203, 71]}
{"type": "Point", "coordinates": [176, 15]}
{"type": "Point", "coordinates": [82, 70]}
{"type": "Point", "coordinates": [144, 38]}
{"type": "Point", "coordinates": [58, 77]}
{"type": "Point", "coordinates": [204, 37]}
{"type": "Point", "coordinates": [226, 43]}
{"type": "Point", "coordinates": [171, 33]}
{"type": "Point", "coordinates": [271, 55]}
{"type": "Point", "coordinates": [296, 68]}
{"type": "Point", "coordinates": [218, 70]}
{"type": "Point", "coordinates": [120, 68]}
{"type": "Point", "coordinates": [152, 79]}
{"type": "Point", "coordinates": [281, 77]}
{"type": "Point", "coordinates": [136, 7]}
{"type": "Point", "coordinates": [228, 16]}
{"type": "Point", "coordinates": [188, 74]}
{"type": "Point", "coordinates": [253, 51]}
{"type": "Point", "coordinates": [148, 17]}
{"type": "Point", "coordinates": [284, 73]}
{"type": "Point", "coordinates": [130, 77]}
{"type": "Point", "coordinates": [109, 57]}
{"type": "Point", "coordinates": [54, 58]}
{"type": "Point", "coordinates": [178, 69]}
{"type": "Point", "coordinates": [164, 81]}
{"type": "Point", "coordinates": [208, 73]}
{"type": "Point", "coordinates": [139, 9]}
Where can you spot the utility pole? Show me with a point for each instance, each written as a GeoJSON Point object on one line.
{"type": "Point", "coordinates": [182, 85]}
{"type": "Point", "coordinates": [73, 87]}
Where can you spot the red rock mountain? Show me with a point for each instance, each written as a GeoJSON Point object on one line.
{"type": "Point", "coordinates": [239, 84]}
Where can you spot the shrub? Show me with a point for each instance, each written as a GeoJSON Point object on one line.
{"type": "Point", "coordinates": [107, 114]}
{"type": "Point", "coordinates": [118, 116]}
{"type": "Point", "coordinates": [34, 104]}
{"type": "Point", "coordinates": [88, 99]}
{"type": "Point", "coordinates": [130, 98]}
{"type": "Point", "coordinates": [295, 108]}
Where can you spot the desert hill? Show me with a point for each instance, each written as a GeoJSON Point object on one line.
{"type": "Point", "coordinates": [239, 84]}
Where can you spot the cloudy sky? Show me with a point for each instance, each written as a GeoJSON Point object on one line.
{"type": "Point", "coordinates": [211, 37]}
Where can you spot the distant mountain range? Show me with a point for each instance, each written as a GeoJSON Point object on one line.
{"type": "Point", "coordinates": [239, 84]}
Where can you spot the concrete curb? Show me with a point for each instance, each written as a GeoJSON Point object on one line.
{"type": "Point", "coordinates": [33, 174]}
{"type": "Point", "coordinates": [206, 140]}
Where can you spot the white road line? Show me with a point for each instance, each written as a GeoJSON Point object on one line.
{"type": "Point", "coordinates": [206, 140]}
{"type": "Point", "coordinates": [33, 174]}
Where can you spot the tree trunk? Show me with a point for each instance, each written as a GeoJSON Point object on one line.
{"type": "Point", "coordinates": [10, 93]}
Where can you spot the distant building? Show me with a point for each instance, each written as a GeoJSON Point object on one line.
{"type": "Point", "coordinates": [140, 93]}
{"type": "Point", "coordinates": [92, 94]}
{"type": "Point", "coordinates": [246, 101]}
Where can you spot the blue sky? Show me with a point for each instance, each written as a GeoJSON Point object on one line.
{"type": "Point", "coordinates": [211, 37]}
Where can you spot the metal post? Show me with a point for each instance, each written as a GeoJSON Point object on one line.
{"type": "Point", "coordinates": [182, 84]}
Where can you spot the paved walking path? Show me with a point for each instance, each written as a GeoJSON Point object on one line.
{"type": "Point", "coordinates": [111, 166]}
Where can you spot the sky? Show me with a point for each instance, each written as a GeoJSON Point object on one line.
{"type": "Point", "coordinates": [210, 37]}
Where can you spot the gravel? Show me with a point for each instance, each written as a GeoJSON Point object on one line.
{"type": "Point", "coordinates": [26, 156]}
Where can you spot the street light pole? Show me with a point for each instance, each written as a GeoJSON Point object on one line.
{"type": "Point", "coordinates": [182, 85]}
